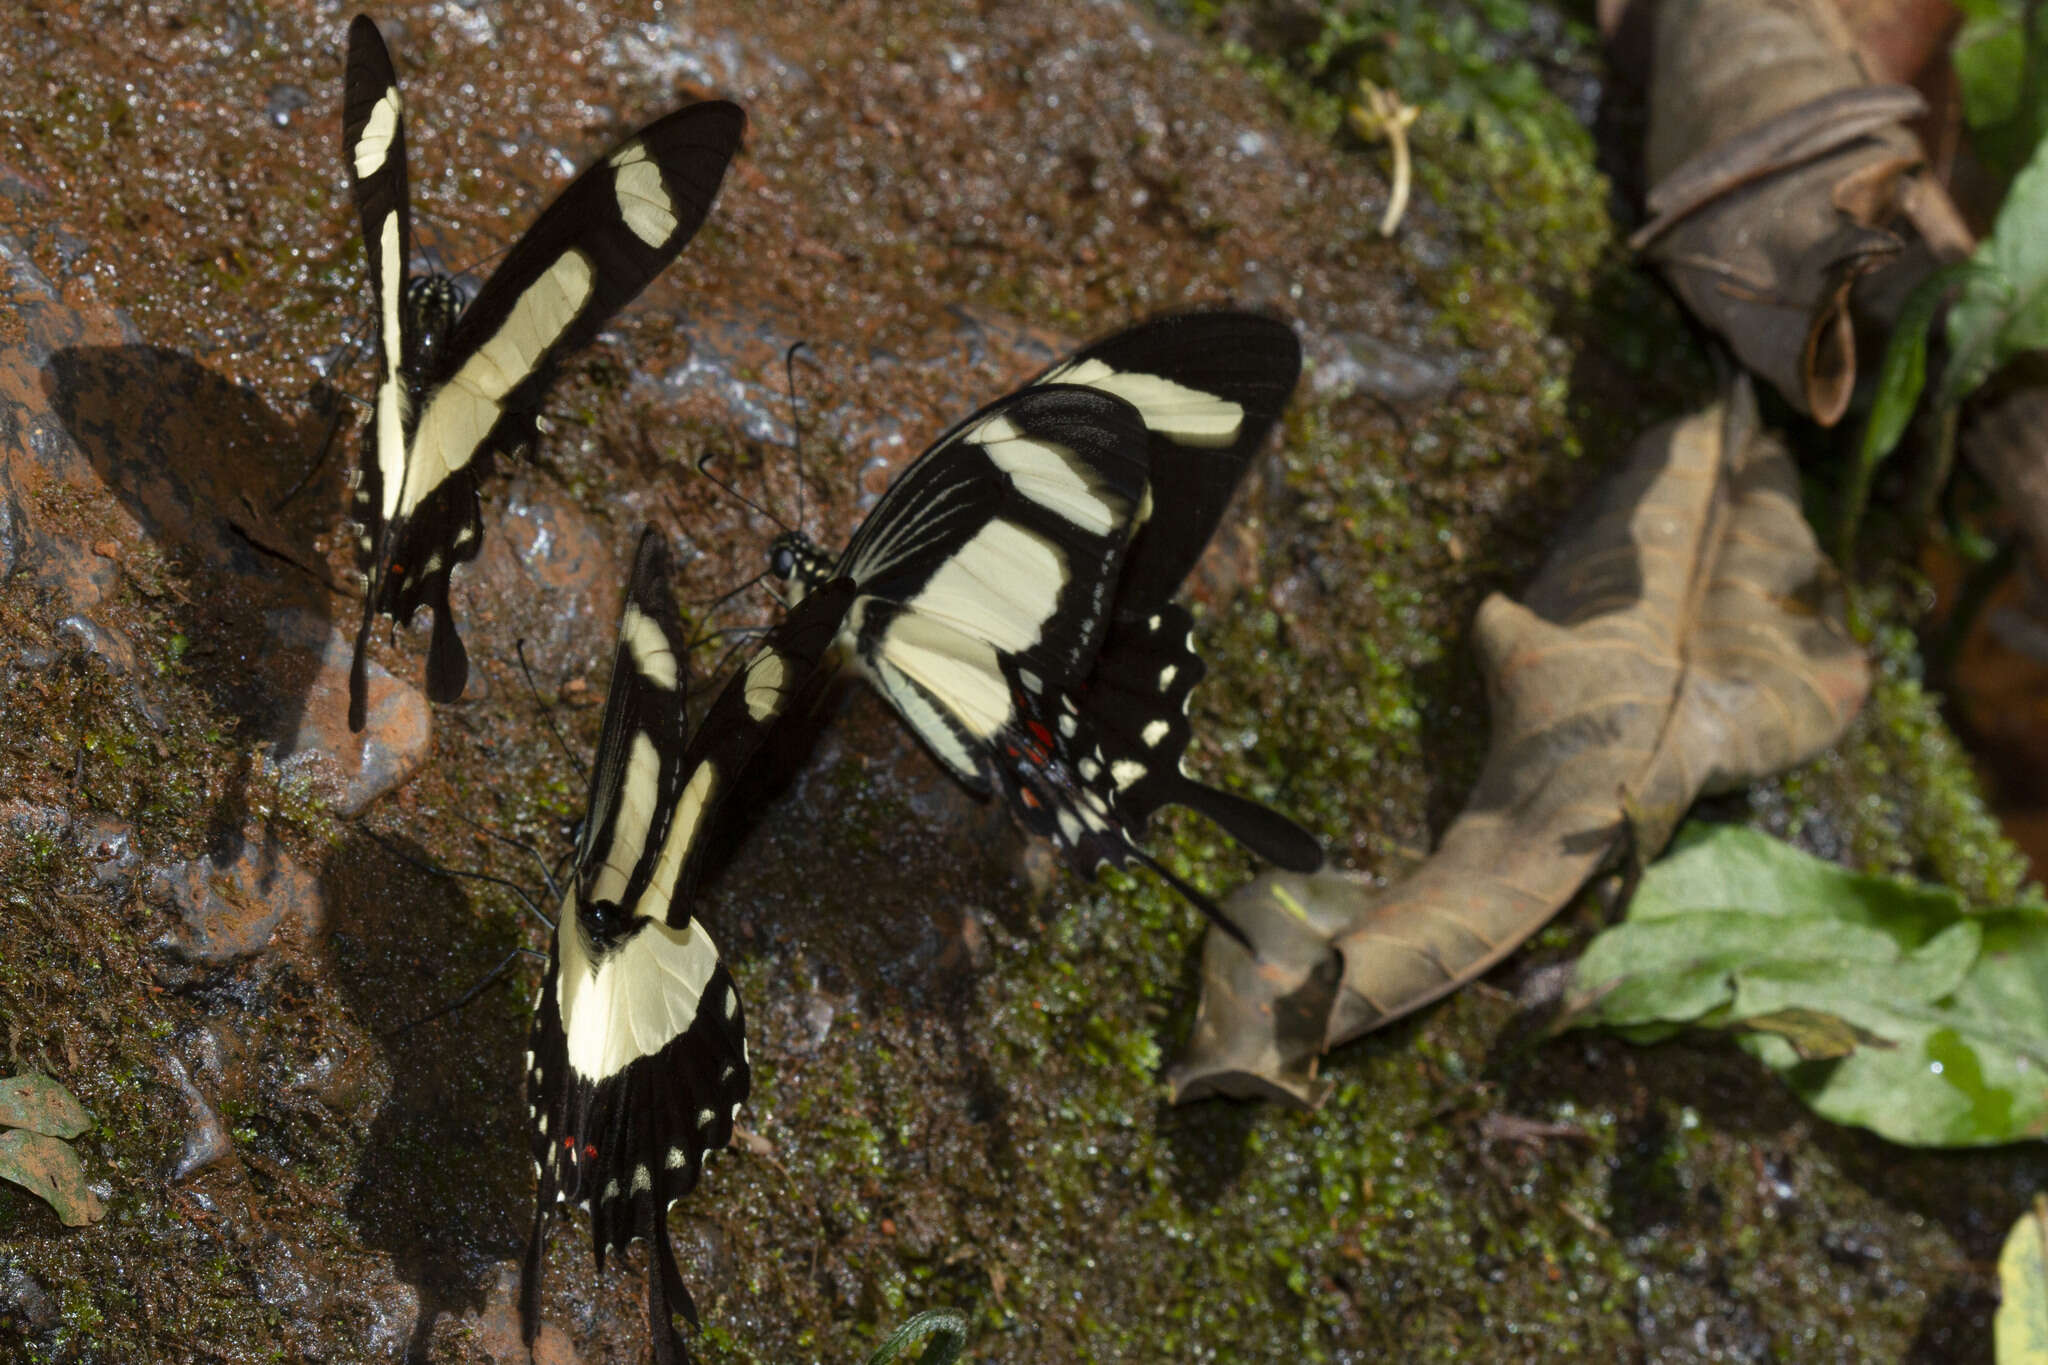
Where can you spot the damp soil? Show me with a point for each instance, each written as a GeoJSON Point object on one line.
{"type": "Point", "coordinates": [958, 1047]}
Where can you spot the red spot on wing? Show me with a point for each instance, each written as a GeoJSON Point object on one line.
{"type": "Point", "coordinates": [1041, 734]}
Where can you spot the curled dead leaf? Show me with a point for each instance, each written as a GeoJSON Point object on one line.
{"type": "Point", "coordinates": [1685, 636]}
{"type": "Point", "coordinates": [1784, 180]}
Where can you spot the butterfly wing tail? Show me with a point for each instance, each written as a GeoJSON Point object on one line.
{"type": "Point", "coordinates": [667, 1295]}
{"type": "Point", "coordinates": [1195, 897]}
{"type": "Point", "coordinates": [1260, 828]}
{"type": "Point", "coordinates": [529, 1274]}
{"type": "Point", "coordinates": [447, 660]}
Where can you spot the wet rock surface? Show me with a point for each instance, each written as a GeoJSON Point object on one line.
{"type": "Point", "coordinates": [223, 926]}
{"type": "Point", "coordinates": [231, 903]}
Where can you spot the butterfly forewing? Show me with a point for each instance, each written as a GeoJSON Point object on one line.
{"type": "Point", "coordinates": [639, 1058]}
{"type": "Point", "coordinates": [440, 422]}
{"type": "Point", "coordinates": [638, 773]}
{"type": "Point", "coordinates": [1001, 543]}
{"type": "Point", "coordinates": [373, 149]}
{"type": "Point", "coordinates": [1210, 387]}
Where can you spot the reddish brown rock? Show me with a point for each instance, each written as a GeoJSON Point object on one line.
{"type": "Point", "coordinates": [229, 905]}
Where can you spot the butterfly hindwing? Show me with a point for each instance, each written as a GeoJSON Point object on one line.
{"type": "Point", "coordinates": [1131, 724]}
{"type": "Point", "coordinates": [455, 401]}
{"type": "Point", "coordinates": [639, 1058]}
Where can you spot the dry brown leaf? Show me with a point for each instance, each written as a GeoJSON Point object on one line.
{"type": "Point", "coordinates": [1783, 178]}
{"type": "Point", "coordinates": [1686, 636]}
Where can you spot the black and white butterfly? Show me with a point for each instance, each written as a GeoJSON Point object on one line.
{"type": "Point", "coordinates": [457, 385]}
{"type": "Point", "coordinates": [639, 1058]}
{"type": "Point", "coordinates": [1011, 591]}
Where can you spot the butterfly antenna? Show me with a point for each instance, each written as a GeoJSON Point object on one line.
{"type": "Point", "coordinates": [332, 399]}
{"type": "Point", "coordinates": [547, 874]}
{"type": "Point", "coordinates": [732, 491]}
{"type": "Point", "coordinates": [744, 635]}
{"type": "Point", "coordinates": [547, 713]}
{"type": "Point", "coordinates": [796, 428]}
{"type": "Point", "coordinates": [437, 870]}
{"type": "Point", "coordinates": [472, 993]}
{"type": "Point", "coordinates": [711, 609]}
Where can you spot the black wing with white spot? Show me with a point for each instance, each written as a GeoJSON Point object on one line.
{"type": "Point", "coordinates": [1056, 670]}
{"type": "Point", "coordinates": [453, 391]}
{"type": "Point", "coordinates": [1210, 387]}
{"type": "Point", "coordinates": [639, 1057]}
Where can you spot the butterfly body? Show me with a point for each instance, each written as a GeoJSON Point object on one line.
{"type": "Point", "coordinates": [457, 384]}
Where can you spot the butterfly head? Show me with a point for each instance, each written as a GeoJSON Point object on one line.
{"type": "Point", "coordinates": [794, 559]}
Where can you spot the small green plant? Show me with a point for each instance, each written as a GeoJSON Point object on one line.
{"type": "Point", "coordinates": [947, 1328]}
{"type": "Point", "coordinates": [1889, 1005]}
{"type": "Point", "coordinates": [2000, 69]}
{"type": "Point", "coordinates": [2000, 311]}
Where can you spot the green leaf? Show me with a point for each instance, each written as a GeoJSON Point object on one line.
{"type": "Point", "coordinates": [1724, 865]}
{"type": "Point", "coordinates": [1990, 56]}
{"type": "Point", "coordinates": [2003, 307]}
{"type": "Point", "coordinates": [949, 1327]}
{"type": "Point", "coordinates": [50, 1170]}
{"type": "Point", "coordinates": [2020, 1331]}
{"type": "Point", "coordinates": [1892, 1007]}
{"type": "Point", "coordinates": [1900, 382]}
{"type": "Point", "coordinates": [41, 1105]}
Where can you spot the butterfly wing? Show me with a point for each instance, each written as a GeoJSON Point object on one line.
{"type": "Point", "coordinates": [373, 148]}
{"type": "Point", "coordinates": [1210, 387]}
{"type": "Point", "coordinates": [639, 1058]}
{"type": "Point", "coordinates": [601, 241]}
{"type": "Point", "coordinates": [998, 549]}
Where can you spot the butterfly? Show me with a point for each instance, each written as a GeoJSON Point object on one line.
{"type": "Point", "coordinates": [1011, 593]}
{"type": "Point", "coordinates": [457, 385]}
{"type": "Point", "coordinates": [638, 1060]}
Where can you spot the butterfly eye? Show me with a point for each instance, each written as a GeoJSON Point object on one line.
{"type": "Point", "coordinates": [782, 562]}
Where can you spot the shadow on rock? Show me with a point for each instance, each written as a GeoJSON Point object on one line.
{"type": "Point", "coordinates": [216, 479]}
{"type": "Point", "coordinates": [443, 1187]}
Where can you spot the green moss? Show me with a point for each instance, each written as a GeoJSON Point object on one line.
{"type": "Point", "coordinates": [1899, 795]}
